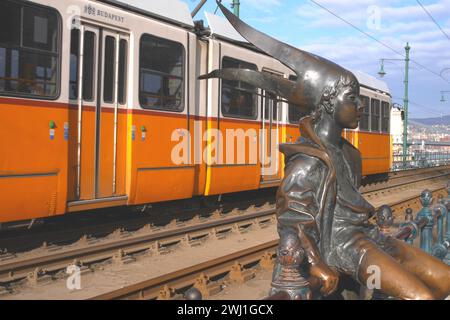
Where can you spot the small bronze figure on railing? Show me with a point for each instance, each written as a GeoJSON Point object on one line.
{"type": "Point", "coordinates": [318, 201]}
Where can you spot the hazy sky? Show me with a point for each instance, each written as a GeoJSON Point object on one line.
{"type": "Point", "coordinates": [393, 22]}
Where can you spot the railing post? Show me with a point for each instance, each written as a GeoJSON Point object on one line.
{"type": "Point", "coordinates": [447, 220]}
{"type": "Point", "coordinates": [442, 207]}
{"type": "Point", "coordinates": [439, 250]}
{"type": "Point", "coordinates": [409, 218]}
{"type": "Point", "coordinates": [426, 235]}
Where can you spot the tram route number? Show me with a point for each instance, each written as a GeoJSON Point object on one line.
{"type": "Point", "coordinates": [237, 310]}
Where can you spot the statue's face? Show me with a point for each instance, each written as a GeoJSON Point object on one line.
{"type": "Point", "coordinates": [347, 113]}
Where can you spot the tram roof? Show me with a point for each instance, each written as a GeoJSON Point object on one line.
{"type": "Point", "coordinates": [371, 82]}
{"type": "Point", "coordinates": [220, 26]}
{"type": "Point", "coordinates": [175, 11]}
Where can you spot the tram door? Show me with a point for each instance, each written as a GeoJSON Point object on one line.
{"type": "Point", "coordinates": [270, 119]}
{"type": "Point", "coordinates": [97, 120]}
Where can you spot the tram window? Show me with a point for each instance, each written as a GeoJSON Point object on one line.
{"type": "Point", "coordinates": [365, 118]}
{"type": "Point", "coordinates": [375, 112]}
{"type": "Point", "coordinates": [161, 74]}
{"type": "Point", "coordinates": [270, 100]}
{"type": "Point", "coordinates": [123, 47]}
{"type": "Point", "coordinates": [29, 50]}
{"type": "Point", "coordinates": [73, 76]}
{"type": "Point", "coordinates": [239, 99]}
{"type": "Point", "coordinates": [88, 65]}
{"type": "Point", "coordinates": [109, 64]}
{"type": "Point", "coordinates": [385, 115]}
{"type": "Point", "coordinates": [294, 112]}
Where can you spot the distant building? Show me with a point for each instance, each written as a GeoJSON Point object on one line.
{"type": "Point", "coordinates": [396, 126]}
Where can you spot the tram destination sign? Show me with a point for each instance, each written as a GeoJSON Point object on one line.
{"type": "Point", "coordinates": [92, 11]}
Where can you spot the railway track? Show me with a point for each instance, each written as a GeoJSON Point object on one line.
{"type": "Point", "coordinates": [123, 245]}
{"type": "Point", "coordinates": [237, 267]}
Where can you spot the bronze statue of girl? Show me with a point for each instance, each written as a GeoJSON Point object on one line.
{"type": "Point", "coordinates": [321, 213]}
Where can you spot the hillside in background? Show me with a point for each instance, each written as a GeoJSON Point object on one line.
{"type": "Point", "coordinates": [433, 121]}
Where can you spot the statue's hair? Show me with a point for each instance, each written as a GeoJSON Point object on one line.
{"type": "Point", "coordinates": [330, 93]}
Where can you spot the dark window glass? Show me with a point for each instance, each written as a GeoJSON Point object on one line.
{"type": "Point", "coordinates": [375, 112]}
{"type": "Point", "coordinates": [108, 80]}
{"type": "Point", "coordinates": [29, 45]}
{"type": "Point", "coordinates": [365, 118]}
{"type": "Point", "coordinates": [123, 48]}
{"type": "Point", "coordinates": [294, 113]}
{"type": "Point", "coordinates": [10, 24]}
{"type": "Point", "coordinates": [74, 51]}
{"type": "Point", "coordinates": [88, 65]}
{"type": "Point", "coordinates": [385, 116]}
{"type": "Point", "coordinates": [270, 102]}
{"type": "Point", "coordinates": [161, 74]}
{"type": "Point", "coordinates": [239, 99]}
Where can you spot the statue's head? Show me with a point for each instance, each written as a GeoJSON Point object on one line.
{"type": "Point", "coordinates": [321, 86]}
{"type": "Point", "coordinates": [341, 101]}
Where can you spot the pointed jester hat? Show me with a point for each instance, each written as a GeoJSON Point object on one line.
{"type": "Point", "coordinates": [318, 79]}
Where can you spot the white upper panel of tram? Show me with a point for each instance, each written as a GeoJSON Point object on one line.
{"type": "Point", "coordinates": [371, 82]}
{"type": "Point", "coordinates": [221, 27]}
{"type": "Point", "coordinates": [175, 10]}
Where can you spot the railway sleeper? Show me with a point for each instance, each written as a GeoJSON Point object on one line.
{"type": "Point", "coordinates": [121, 258]}
{"type": "Point", "coordinates": [240, 275]}
{"type": "Point", "coordinates": [207, 287]}
{"type": "Point", "coordinates": [197, 239]}
{"type": "Point", "coordinates": [38, 277]}
{"type": "Point", "coordinates": [267, 261]}
{"type": "Point", "coordinates": [222, 233]}
{"type": "Point", "coordinates": [167, 293]}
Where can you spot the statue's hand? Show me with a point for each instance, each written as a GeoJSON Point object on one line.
{"type": "Point", "coordinates": [329, 279]}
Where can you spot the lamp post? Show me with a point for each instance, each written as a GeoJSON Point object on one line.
{"type": "Point", "coordinates": [382, 73]}
{"type": "Point", "coordinates": [443, 95]}
{"type": "Point", "coordinates": [236, 7]}
{"type": "Point", "coordinates": [444, 70]}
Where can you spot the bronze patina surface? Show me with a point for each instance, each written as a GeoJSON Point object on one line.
{"type": "Point", "coordinates": [322, 216]}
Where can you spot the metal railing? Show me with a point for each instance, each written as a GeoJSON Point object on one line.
{"type": "Point", "coordinates": [420, 159]}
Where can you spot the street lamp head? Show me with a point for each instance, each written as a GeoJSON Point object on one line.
{"type": "Point", "coordinates": [382, 73]}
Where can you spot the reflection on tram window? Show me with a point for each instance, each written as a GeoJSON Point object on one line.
{"type": "Point", "coordinates": [29, 50]}
{"type": "Point", "coordinates": [375, 113]}
{"type": "Point", "coordinates": [386, 112]}
{"type": "Point", "coordinates": [239, 99]}
{"type": "Point", "coordinates": [161, 74]}
{"type": "Point", "coordinates": [364, 124]}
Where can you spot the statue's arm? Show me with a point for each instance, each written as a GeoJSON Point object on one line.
{"type": "Point", "coordinates": [297, 208]}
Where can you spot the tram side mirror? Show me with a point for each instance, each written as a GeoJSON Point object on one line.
{"type": "Point", "coordinates": [403, 115]}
